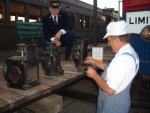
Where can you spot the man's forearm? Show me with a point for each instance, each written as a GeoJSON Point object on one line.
{"type": "Point", "coordinates": [103, 85]}
{"type": "Point", "coordinates": [101, 65]}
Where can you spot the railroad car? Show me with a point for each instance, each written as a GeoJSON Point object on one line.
{"type": "Point", "coordinates": [34, 10]}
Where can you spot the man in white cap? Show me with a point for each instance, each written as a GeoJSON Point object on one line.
{"type": "Point", "coordinates": [115, 82]}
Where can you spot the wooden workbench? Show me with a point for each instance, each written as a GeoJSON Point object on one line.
{"type": "Point", "coordinates": [12, 99]}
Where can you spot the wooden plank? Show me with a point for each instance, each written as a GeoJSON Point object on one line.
{"type": "Point", "coordinates": [53, 84]}
{"type": "Point", "coordinates": [70, 69]}
{"type": "Point", "coordinates": [71, 72]}
{"type": "Point", "coordinates": [73, 78]}
{"type": "Point", "coordinates": [29, 94]}
{"type": "Point", "coordinates": [61, 81]}
{"type": "Point", "coordinates": [54, 78]}
{"type": "Point", "coordinates": [68, 64]}
{"type": "Point", "coordinates": [49, 82]}
{"type": "Point", "coordinates": [70, 76]}
{"type": "Point", "coordinates": [39, 90]}
{"type": "Point", "coordinates": [3, 106]}
{"type": "Point", "coordinates": [11, 97]}
{"type": "Point", "coordinates": [22, 92]}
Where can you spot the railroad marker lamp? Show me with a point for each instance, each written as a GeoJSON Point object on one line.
{"type": "Point", "coordinates": [80, 52]}
{"type": "Point", "coordinates": [22, 70]}
{"type": "Point", "coordinates": [51, 60]}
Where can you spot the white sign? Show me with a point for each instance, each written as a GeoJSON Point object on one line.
{"type": "Point", "coordinates": [137, 21]}
{"type": "Point", "coordinates": [97, 53]}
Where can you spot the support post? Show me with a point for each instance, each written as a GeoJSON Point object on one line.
{"type": "Point", "coordinates": [95, 22]}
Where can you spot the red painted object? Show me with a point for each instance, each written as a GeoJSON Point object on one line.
{"type": "Point", "coordinates": [133, 5]}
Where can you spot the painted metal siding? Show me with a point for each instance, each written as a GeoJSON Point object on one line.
{"type": "Point", "coordinates": [142, 47]}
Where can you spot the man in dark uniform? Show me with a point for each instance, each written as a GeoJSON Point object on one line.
{"type": "Point", "coordinates": [56, 28]}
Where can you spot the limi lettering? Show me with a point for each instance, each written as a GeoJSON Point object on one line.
{"type": "Point", "coordinates": [139, 20]}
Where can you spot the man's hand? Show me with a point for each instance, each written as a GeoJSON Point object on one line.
{"type": "Point", "coordinates": [91, 72]}
{"type": "Point", "coordinates": [89, 60]}
{"type": "Point", "coordinates": [57, 42]}
{"type": "Point", "coordinates": [58, 35]}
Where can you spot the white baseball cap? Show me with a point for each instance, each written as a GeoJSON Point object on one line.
{"type": "Point", "coordinates": [116, 29]}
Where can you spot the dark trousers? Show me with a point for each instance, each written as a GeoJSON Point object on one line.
{"type": "Point", "coordinates": [66, 40]}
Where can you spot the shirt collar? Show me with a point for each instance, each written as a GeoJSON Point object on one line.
{"type": "Point", "coordinates": [54, 15]}
{"type": "Point", "coordinates": [125, 48]}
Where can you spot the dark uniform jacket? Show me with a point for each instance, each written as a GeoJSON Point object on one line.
{"type": "Point", "coordinates": [50, 28]}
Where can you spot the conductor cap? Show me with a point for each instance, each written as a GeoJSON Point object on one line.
{"type": "Point", "coordinates": [54, 4]}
